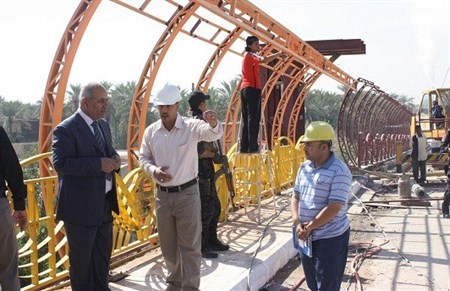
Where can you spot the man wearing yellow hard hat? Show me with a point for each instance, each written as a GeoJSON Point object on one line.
{"type": "Point", "coordinates": [319, 208]}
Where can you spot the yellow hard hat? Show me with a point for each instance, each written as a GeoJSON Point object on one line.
{"type": "Point", "coordinates": [318, 130]}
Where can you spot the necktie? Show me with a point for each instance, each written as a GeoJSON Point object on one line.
{"type": "Point", "coordinates": [101, 143]}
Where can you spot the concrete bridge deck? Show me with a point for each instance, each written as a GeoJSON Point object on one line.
{"type": "Point", "coordinates": [415, 251]}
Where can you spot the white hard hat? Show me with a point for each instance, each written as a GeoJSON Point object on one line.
{"type": "Point", "coordinates": [169, 94]}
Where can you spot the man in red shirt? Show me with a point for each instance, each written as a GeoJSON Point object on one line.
{"type": "Point", "coordinates": [251, 94]}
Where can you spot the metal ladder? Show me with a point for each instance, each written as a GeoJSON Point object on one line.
{"type": "Point", "coordinates": [251, 165]}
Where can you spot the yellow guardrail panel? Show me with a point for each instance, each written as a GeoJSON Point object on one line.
{"type": "Point", "coordinates": [43, 248]}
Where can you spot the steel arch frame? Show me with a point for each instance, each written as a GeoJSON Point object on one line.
{"type": "Point", "coordinates": [141, 98]}
{"type": "Point", "coordinates": [245, 18]}
{"type": "Point", "coordinates": [310, 79]}
{"type": "Point", "coordinates": [55, 89]}
{"type": "Point", "coordinates": [216, 58]}
{"type": "Point", "coordinates": [375, 113]}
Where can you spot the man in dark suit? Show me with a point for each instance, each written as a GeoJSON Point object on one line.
{"type": "Point", "coordinates": [85, 161]}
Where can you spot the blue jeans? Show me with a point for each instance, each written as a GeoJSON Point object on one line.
{"type": "Point", "coordinates": [325, 269]}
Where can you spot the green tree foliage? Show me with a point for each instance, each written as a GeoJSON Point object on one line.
{"type": "Point", "coordinates": [406, 100]}
{"type": "Point", "coordinates": [72, 100]}
{"type": "Point", "coordinates": [32, 171]}
{"type": "Point", "coordinates": [14, 121]}
{"type": "Point", "coordinates": [221, 97]}
{"type": "Point", "coordinates": [118, 113]}
{"type": "Point", "coordinates": [185, 109]}
{"type": "Point", "coordinates": [323, 105]}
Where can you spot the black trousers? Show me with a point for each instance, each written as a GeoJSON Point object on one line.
{"type": "Point", "coordinates": [210, 211]}
{"type": "Point", "coordinates": [251, 116]}
{"type": "Point", "coordinates": [89, 253]}
{"type": "Point", "coordinates": [422, 165]}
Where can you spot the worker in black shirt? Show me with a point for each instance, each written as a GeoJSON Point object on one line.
{"type": "Point", "coordinates": [10, 172]}
{"type": "Point", "coordinates": [208, 155]}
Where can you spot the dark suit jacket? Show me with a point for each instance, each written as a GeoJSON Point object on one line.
{"type": "Point", "coordinates": [11, 171]}
{"type": "Point", "coordinates": [76, 158]}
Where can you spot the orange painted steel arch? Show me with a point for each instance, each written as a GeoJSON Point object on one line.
{"type": "Point", "coordinates": [55, 89]}
{"type": "Point", "coordinates": [292, 126]}
{"type": "Point", "coordinates": [138, 113]}
{"type": "Point", "coordinates": [243, 14]}
{"type": "Point", "coordinates": [216, 58]}
{"type": "Point", "coordinates": [284, 101]}
{"type": "Point", "coordinates": [281, 109]}
{"type": "Point", "coordinates": [279, 69]}
{"type": "Point", "coordinates": [230, 129]}
{"type": "Point", "coordinates": [310, 79]}
{"type": "Point", "coordinates": [272, 32]}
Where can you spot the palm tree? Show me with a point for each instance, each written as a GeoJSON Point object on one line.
{"type": "Point", "coordinates": [343, 88]}
{"type": "Point", "coordinates": [323, 105]}
{"type": "Point", "coordinates": [220, 97]}
{"type": "Point", "coordinates": [73, 99]}
{"type": "Point", "coordinates": [405, 100]}
{"type": "Point", "coordinates": [184, 109]}
{"type": "Point", "coordinates": [110, 110]}
{"type": "Point", "coordinates": [120, 104]}
{"type": "Point", "coordinates": [108, 86]}
{"type": "Point", "coordinates": [228, 88]}
{"type": "Point", "coordinates": [14, 121]}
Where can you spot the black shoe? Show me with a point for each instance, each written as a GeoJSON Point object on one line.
{"type": "Point", "coordinates": [208, 254]}
{"type": "Point", "coordinates": [218, 246]}
{"type": "Point", "coordinates": [446, 215]}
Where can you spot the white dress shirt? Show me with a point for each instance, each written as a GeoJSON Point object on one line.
{"type": "Point", "coordinates": [89, 121]}
{"type": "Point", "coordinates": [176, 149]}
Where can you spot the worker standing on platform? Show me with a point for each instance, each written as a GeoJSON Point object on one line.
{"type": "Point", "coordinates": [169, 154]}
{"type": "Point", "coordinates": [319, 208]}
{"type": "Point", "coordinates": [208, 155]}
{"type": "Point", "coordinates": [251, 94]}
{"type": "Point", "coordinates": [418, 145]}
{"type": "Point", "coordinates": [437, 112]}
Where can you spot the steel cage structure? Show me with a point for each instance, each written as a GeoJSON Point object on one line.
{"type": "Point", "coordinates": [369, 124]}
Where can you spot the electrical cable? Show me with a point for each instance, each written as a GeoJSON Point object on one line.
{"type": "Point", "coordinates": [403, 256]}
{"type": "Point", "coordinates": [357, 261]}
{"type": "Point", "coordinates": [370, 249]}
{"type": "Point", "coordinates": [445, 77]}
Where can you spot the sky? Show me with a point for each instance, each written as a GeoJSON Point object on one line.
{"type": "Point", "coordinates": [407, 44]}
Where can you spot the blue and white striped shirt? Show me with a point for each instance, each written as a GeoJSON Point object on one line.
{"type": "Point", "coordinates": [316, 187]}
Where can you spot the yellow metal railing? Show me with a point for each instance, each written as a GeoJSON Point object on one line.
{"type": "Point", "coordinates": [43, 248]}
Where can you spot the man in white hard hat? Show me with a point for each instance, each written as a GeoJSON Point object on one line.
{"type": "Point", "coordinates": [319, 209]}
{"type": "Point", "coordinates": [169, 154]}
